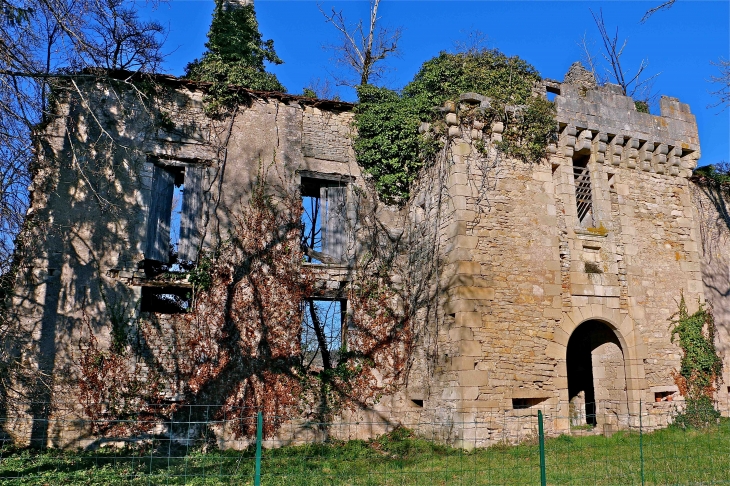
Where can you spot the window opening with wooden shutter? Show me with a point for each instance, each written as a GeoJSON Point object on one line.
{"type": "Point", "coordinates": [583, 192]}
{"type": "Point", "coordinates": [174, 217]}
{"type": "Point", "coordinates": [325, 220]}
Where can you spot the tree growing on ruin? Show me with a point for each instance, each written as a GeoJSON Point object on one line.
{"type": "Point", "coordinates": [237, 55]}
{"type": "Point", "coordinates": [363, 46]}
{"type": "Point", "coordinates": [389, 146]}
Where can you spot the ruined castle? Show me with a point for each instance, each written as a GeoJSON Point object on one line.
{"type": "Point", "coordinates": [555, 280]}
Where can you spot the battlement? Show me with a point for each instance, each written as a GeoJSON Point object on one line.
{"type": "Point", "coordinates": [605, 122]}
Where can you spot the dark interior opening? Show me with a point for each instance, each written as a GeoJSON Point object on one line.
{"type": "Point", "coordinates": [579, 360]}
{"type": "Point", "coordinates": [418, 403]}
{"type": "Point", "coordinates": [166, 300]}
{"type": "Point", "coordinates": [520, 403]}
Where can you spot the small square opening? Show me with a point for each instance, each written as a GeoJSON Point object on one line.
{"type": "Point", "coordinates": [522, 403]}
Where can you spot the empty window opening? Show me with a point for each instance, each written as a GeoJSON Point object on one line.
{"type": "Point", "coordinates": [323, 332]}
{"type": "Point", "coordinates": [520, 403]}
{"type": "Point", "coordinates": [418, 403]}
{"type": "Point", "coordinates": [665, 396]}
{"type": "Point", "coordinates": [166, 300]}
{"type": "Point", "coordinates": [611, 181]}
{"type": "Point", "coordinates": [324, 220]}
{"type": "Point", "coordinates": [583, 193]}
{"type": "Point", "coordinates": [551, 95]}
{"type": "Point", "coordinates": [175, 214]}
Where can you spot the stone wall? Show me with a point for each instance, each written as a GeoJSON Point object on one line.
{"type": "Point", "coordinates": [522, 273]}
{"type": "Point", "coordinates": [521, 301]}
{"type": "Point", "coordinates": [711, 212]}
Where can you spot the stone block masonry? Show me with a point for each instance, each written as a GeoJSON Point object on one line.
{"type": "Point", "coordinates": [534, 302]}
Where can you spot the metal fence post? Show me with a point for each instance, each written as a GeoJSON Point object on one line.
{"type": "Point", "coordinates": [259, 433]}
{"type": "Point", "coordinates": [541, 435]}
{"type": "Point", "coordinates": [641, 444]}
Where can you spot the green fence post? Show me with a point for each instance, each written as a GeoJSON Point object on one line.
{"type": "Point", "coordinates": [641, 444]}
{"type": "Point", "coordinates": [259, 433]}
{"type": "Point", "coordinates": [541, 434]}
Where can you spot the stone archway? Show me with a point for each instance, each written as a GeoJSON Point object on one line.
{"type": "Point", "coordinates": [631, 344]}
{"type": "Point", "coordinates": [596, 369]}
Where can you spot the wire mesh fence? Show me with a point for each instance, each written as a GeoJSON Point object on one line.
{"type": "Point", "coordinates": [198, 445]}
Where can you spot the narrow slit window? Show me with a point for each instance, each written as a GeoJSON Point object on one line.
{"type": "Point", "coordinates": [583, 192]}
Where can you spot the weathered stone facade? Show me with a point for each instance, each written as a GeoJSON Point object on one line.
{"type": "Point", "coordinates": [554, 280]}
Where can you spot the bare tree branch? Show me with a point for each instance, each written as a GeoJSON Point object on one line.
{"type": "Point", "coordinates": [654, 10]}
{"type": "Point", "coordinates": [723, 93]}
{"type": "Point", "coordinates": [363, 47]}
{"type": "Point", "coordinates": [613, 48]}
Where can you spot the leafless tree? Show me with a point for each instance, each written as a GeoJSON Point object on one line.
{"type": "Point", "coordinates": [613, 70]}
{"type": "Point", "coordinates": [474, 42]}
{"type": "Point", "coordinates": [42, 41]}
{"type": "Point", "coordinates": [322, 89]}
{"type": "Point", "coordinates": [363, 46]}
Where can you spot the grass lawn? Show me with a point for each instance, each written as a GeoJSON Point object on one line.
{"type": "Point", "coordinates": [671, 456]}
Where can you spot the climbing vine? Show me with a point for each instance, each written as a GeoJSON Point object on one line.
{"type": "Point", "coordinates": [389, 146]}
{"type": "Point", "coordinates": [240, 343]}
{"type": "Point", "coordinates": [700, 367]}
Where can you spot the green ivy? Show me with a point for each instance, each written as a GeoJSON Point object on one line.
{"type": "Point", "coordinates": [388, 145]}
{"type": "Point", "coordinates": [641, 106]}
{"type": "Point", "coordinates": [236, 56]}
{"type": "Point", "coordinates": [719, 173]}
{"type": "Point", "coordinates": [200, 276]}
{"type": "Point", "coordinates": [700, 367]}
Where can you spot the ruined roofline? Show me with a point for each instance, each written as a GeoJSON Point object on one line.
{"type": "Point", "coordinates": [583, 104]}
{"type": "Point", "coordinates": [168, 79]}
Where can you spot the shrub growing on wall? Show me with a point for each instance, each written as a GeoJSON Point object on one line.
{"type": "Point", "coordinates": [388, 145]}
{"type": "Point", "coordinates": [701, 366]}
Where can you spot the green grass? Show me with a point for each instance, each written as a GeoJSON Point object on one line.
{"type": "Point", "coordinates": [671, 456]}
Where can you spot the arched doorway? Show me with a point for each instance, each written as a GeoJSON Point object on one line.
{"type": "Point", "coordinates": [596, 376]}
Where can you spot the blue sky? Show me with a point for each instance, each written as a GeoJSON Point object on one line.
{"type": "Point", "coordinates": [680, 43]}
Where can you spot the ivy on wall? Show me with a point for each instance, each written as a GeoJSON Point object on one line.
{"type": "Point", "coordinates": [700, 367]}
{"type": "Point", "coordinates": [391, 150]}
{"type": "Point", "coordinates": [719, 173]}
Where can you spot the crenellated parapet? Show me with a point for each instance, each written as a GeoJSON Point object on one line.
{"type": "Point", "coordinates": [602, 122]}
{"type": "Point", "coordinates": [597, 122]}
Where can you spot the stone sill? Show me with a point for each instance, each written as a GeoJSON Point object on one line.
{"type": "Point", "coordinates": [328, 266]}
{"type": "Point", "coordinates": [584, 232]}
{"type": "Point", "coordinates": [149, 282]}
